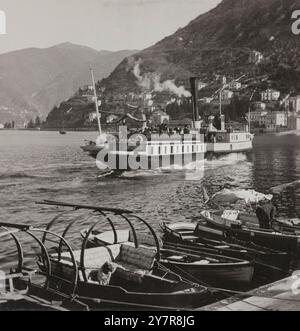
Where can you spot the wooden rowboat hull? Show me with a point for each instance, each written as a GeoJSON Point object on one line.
{"type": "Point", "coordinates": [179, 300]}
{"type": "Point", "coordinates": [274, 240]}
{"type": "Point", "coordinates": [275, 262]}
{"type": "Point", "coordinates": [225, 276]}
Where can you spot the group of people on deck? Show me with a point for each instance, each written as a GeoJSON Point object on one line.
{"type": "Point", "coordinates": [164, 129]}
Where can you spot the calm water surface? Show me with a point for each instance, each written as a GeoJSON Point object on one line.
{"type": "Point", "coordinates": [45, 165]}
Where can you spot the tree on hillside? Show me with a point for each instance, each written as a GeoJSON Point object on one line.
{"type": "Point", "coordinates": [30, 125]}
{"type": "Point", "coordinates": [37, 122]}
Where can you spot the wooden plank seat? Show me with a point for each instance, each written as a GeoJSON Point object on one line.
{"type": "Point", "coordinates": [130, 262]}
{"type": "Point", "coordinates": [189, 237]}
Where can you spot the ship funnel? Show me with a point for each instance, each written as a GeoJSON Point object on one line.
{"type": "Point", "coordinates": [223, 126]}
{"type": "Point", "coordinates": [196, 117]}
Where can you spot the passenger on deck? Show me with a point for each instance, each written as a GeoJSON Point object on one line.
{"type": "Point", "coordinates": [186, 130]}
{"type": "Point", "coordinates": [178, 130]}
{"type": "Point", "coordinates": [266, 214]}
{"type": "Point", "coordinates": [163, 128]}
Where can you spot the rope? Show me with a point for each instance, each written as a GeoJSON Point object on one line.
{"type": "Point", "coordinates": [165, 269]}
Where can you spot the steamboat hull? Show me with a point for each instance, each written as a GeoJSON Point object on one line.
{"type": "Point", "coordinates": [131, 161]}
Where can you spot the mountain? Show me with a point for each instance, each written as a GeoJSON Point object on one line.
{"type": "Point", "coordinates": [34, 80]}
{"type": "Point", "coordinates": [221, 41]}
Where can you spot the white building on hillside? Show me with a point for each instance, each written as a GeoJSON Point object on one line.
{"type": "Point", "coordinates": [270, 95]}
{"type": "Point", "coordinates": [256, 57]}
{"type": "Point", "coordinates": [227, 95]}
{"type": "Point", "coordinates": [293, 104]}
{"type": "Point", "coordinates": [258, 117]}
{"type": "Point", "coordinates": [258, 105]}
{"type": "Point", "coordinates": [234, 85]}
{"type": "Point", "coordinates": [201, 85]}
{"type": "Point", "coordinates": [293, 121]}
{"type": "Point", "coordinates": [92, 116]}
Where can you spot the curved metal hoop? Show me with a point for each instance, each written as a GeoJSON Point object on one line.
{"type": "Point", "coordinates": [152, 232]}
{"type": "Point", "coordinates": [49, 273]}
{"type": "Point", "coordinates": [19, 249]}
{"type": "Point", "coordinates": [86, 238]}
{"type": "Point", "coordinates": [45, 253]}
{"type": "Point", "coordinates": [52, 223]}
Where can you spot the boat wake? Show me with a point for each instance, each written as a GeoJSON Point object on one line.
{"type": "Point", "coordinates": [192, 171]}
{"type": "Point", "coordinates": [21, 175]}
{"type": "Point", "coordinates": [224, 161]}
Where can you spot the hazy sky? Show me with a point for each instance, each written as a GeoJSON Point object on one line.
{"type": "Point", "coordinates": [101, 24]}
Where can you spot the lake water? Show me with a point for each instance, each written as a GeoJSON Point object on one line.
{"type": "Point", "coordinates": [45, 165]}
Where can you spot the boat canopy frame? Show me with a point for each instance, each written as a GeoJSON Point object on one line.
{"type": "Point", "coordinates": [104, 213]}
{"type": "Point", "coordinates": [31, 232]}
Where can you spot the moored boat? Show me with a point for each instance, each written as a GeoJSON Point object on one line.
{"type": "Point", "coordinates": [251, 232]}
{"type": "Point", "coordinates": [193, 236]}
{"type": "Point", "coordinates": [138, 278]}
{"type": "Point", "coordinates": [203, 266]}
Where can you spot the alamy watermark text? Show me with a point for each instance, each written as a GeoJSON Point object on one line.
{"type": "Point", "coordinates": [296, 22]}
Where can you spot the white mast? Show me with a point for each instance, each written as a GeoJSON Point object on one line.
{"type": "Point", "coordinates": [220, 101]}
{"type": "Point", "coordinates": [224, 82]}
{"type": "Point", "coordinates": [249, 114]}
{"type": "Point", "coordinates": [96, 103]}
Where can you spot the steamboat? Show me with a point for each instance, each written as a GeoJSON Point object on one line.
{"type": "Point", "coordinates": [151, 150]}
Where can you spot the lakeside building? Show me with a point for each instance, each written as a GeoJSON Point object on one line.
{"type": "Point", "coordinates": [92, 116]}
{"type": "Point", "coordinates": [257, 116]}
{"type": "Point", "coordinates": [258, 106]}
{"type": "Point", "coordinates": [227, 95]}
{"type": "Point", "coordinates": [292, 104]}
{"type": "Point", "coordinates": [269, 120]}
{"type": "Point", "coordinates": [293, 121]}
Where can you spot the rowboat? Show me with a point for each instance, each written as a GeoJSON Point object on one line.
{"type": "Point", "coordinates": [23, 287]}
{"type": "Point", "coordinates": [251, 232]}
{"type": "Point", "coordinates": [193, 236]}
{"type": "Point", "coordinates": [138, 280]}
{"type": "Point", "coordinates": [202, 266]}
{"type": "Point", "coordinates": [288, 225]}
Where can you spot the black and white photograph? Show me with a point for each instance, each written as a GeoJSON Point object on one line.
{"type": "Point", "coordinates": [150, 158]}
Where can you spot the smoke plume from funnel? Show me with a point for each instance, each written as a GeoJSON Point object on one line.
{"type": "Point", "coordinates": [152, 81]}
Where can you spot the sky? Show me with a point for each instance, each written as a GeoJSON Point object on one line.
{"type": "Point", "coordinates": [101, 24]}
